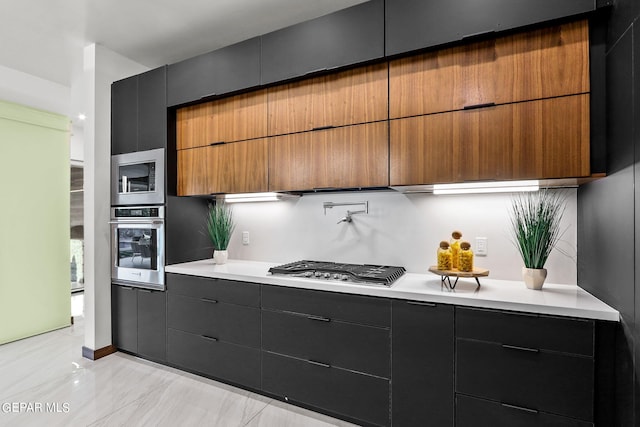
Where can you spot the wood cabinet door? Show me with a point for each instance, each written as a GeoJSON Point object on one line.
{"type": "Point", "coordinates": [539, 139]}
{"type": "Point", "coordinates": [349, 97]}
{"type": "Point", "coordinates": [543, 63]}
{"type": "Point", "coordinates": [239, 167]}
{"type": "Point", "coordinates": [346, 157]}
{"type": "Point", "coordinates": [236, 118]}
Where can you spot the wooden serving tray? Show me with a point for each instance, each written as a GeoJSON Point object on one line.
{"type": "Point", "coordinates": [445, 275]}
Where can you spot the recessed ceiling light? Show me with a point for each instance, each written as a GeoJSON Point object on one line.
{"type": "Point", "coordinates": [82, 116]}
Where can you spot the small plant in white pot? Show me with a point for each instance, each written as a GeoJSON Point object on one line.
{"type": "Point", "coordinates": [535, 228]}
{"type": "Point", "coordinates": [220, 226]}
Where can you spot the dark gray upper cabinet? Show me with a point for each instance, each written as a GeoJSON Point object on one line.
{"type": "Point", "coordinates": [139, 112]}
{"type": "Point", "coordinates": [222, 71]}
{"type": "Point", "coordinates": [346, 37]}
{"type": "Point", "coordinates": [417, 24]}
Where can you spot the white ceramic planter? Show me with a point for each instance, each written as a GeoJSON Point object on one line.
{"type": "Point", "coordinates": [220, 257]}
{"type": "Point", "coordinates": [534, 277]}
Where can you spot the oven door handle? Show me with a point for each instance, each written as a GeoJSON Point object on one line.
{"type": "Point", "coordinates": [137, 221]}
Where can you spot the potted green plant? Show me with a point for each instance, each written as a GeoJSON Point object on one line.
{"type": "Point", "coordinates": [220, 226]}
{"type": "Point", "coordinates": [535, 229]}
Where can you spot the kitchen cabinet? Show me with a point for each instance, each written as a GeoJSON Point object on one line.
{"type": "Point", "coordinates": [548, 370]}
{"type": "Point", "coordinates": [415, 24]}
{"type": "Point", "coordinates": [422, 363]}
{"type": "Point", "coordinates": [330, 351]}
{"type": "Point", "coordinates": [214, 328]}
{"type": "Point", "coordinates": [238, 167]}
{"type": "Point", "coordinates": [346, 37]}
{"type": "Point", "coordinates": [354, 96]}
{"type": "Point", "coordinates": [139, 112]}
{"type": "Point", "coordinates": [235, 118]}
{"type": "Point", "coordinates": [543, 63]}
{"type": "Point", "coordinates": [216, 73]}
{"type": "Point", "coordinates": [345, 157]}
{"type": "Point", "coordinates": [530, 140]}
{"type": "Point", "coordinates": [139, 321]}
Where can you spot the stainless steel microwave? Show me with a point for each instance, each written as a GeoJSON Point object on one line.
{"type": "Point", "coordinates": [138, 178]}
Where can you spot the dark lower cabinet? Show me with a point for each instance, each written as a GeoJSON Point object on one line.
{"type": "Point", "coordinates": [418, 24]}
{"type": "Point", "coordinates": [422, 364]}
{"type": "Point", "coordinates": [139, 321]}
{"type": "Point", "coordinates": [474, 412]}
{"type": "Point", "coordinates": [214, 358]}
{"type": "Point", "coordinates": [124, 318]}
{"type": "Point", "coordinates": [339, 391]}
{"type": "Point", "coordinates": [152, 324]}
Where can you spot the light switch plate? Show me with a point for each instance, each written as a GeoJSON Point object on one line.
{"type": "Point", "coordinates": [245, 237]}
{"type": "Point", "coordinates": [482, 246]}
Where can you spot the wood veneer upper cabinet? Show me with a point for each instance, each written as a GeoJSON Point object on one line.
{"type": "Point", "coordinates": [346, 157]}
{"type": "Point", "coordinates": [236, 118]}
{"type": "Point", "coordinates": [539, 139]}
{"type": "Point", "coordinates": [350, 97]}
{"type": "Point", "coordinates": [239, 167]}
{"type": "Point", "coordinates": [542, 63]}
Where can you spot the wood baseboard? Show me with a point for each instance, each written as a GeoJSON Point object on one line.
{"type": "Point", "coordinates": [99, 353]}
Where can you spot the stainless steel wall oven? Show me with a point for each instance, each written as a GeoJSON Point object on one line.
{"type": "Point", "coordinates": [137, 246]}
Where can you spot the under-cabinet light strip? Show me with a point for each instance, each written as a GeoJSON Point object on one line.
{"type": "Point", "coordinates": [487, 187]}
{"type": "Point", "coordinates": [255, 197]}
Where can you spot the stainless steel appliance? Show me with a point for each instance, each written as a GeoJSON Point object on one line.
{"type": "Point", "coordinates": [137, 178]}
{"type": "Point", "coordinates": [350, 273]}
{"type": "Point", "coordinates": [137, 246]}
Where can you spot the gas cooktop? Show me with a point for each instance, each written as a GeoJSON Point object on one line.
{"type": "Point", "coordinates": [351, 273]}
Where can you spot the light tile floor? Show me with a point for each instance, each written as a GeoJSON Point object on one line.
{"type": "Point", "coordinates": [64, 389]}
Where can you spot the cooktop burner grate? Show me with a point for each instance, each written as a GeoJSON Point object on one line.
{"type": "Point", "coordinates": [354, 273]}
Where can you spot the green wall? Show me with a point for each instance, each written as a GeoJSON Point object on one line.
{"type": "Point", "coordinates": [34, 222]}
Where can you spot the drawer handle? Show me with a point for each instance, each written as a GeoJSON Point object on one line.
{"type": "Point", "coordinates": [146, 291]}
{"type": "Point", "coordinates": [476, 106]}
{"type": "Point", "coordinates": [515, 347]}
{"type": "Point", "coordinates": [211, 301]}
{"type": "Point", "coordinates": [423, 304]}
{"type": "Point", "coordinates": [315, 71]}
{"type": "Point", "coordinates": [323, 128]}
{"type": "Point", "coordinates": [209, 338]}
{"type": "Point", "coordinates": [217, 143]}
{"type": "Point", "coordinates": [520, 408]}
{"type": "Point", "coordinates": [208, 95]}
{"type": "Point", "coordinates": [324, 365]}
{"type": "Point", "coordinates": [319, 318]}
{"type": "Point", "coordinates": [478, 34]}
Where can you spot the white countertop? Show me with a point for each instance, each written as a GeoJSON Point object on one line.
{"type": "Point", "coordinates": [559, 300]}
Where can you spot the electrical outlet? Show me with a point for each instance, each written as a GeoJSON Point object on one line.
{"type": "Point", "coordinates": [482, 246]}
{"type": "Point", "coordinates": [245, 237]}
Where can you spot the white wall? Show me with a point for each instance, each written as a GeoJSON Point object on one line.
{"type": "Point", "coordinates": [399, 230]}
{"type": "Point", "coordinates": [25, 89]}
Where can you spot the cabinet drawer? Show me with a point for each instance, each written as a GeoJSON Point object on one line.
{"type": "Point", "coordinates": [242, 293]}
{"type": "Point", "coordinates": [550, 382]}
{"type": "Point", "coordinates": [227, 322]}
{"type": "Point", "coordinates": [345, 345]}
{"type": "Point", "coordinates": [217, 359]}
{"type": "Point", "coordinates": [343, 392]}
{"type": "Point", "coordinates": [472, 412]}
{"type": "Point", "coordinates": [525, 330]}
{"type": "Point", "coordinates": [331, 305]}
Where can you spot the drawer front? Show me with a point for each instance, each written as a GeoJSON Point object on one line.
{"type": "Point", "coordinates": [332, 305]}
{"type": "Point", "coordinates": [523, 330]}
{"type": "Point", "coordinates": [472, 412]}
{"type": "Point", "coordinates": [217, 359]}
{"type": "Point", "coordinates": [550, 382]}
{"type": "Point", "coordinates": [227, 322]}
{"type": "Point", "coordinates": [242, 293]}
{"type": "Point", "coordinates": [343, 392]}
{"type": "Point", "coordinates": [346, 345]}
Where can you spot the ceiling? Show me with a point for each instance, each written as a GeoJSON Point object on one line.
{"type": "Point", "coordinates": [45, 38]}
